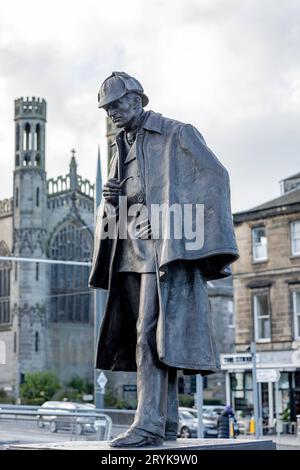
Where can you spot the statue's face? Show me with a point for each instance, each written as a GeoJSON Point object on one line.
{"type": "Point", "coordinates": [123, 111]}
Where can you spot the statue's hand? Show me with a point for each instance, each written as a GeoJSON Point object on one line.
{"type": "Point", "coordinates": [112, 190]}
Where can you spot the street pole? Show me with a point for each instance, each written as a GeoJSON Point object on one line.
{"type": "Point", "coordinates": [99, 294]}
{"type": "Point", "coordinates": [255, 390]}
{"type": "Point", "coordinates": [17, 372]}
{"type": "Point", "coordinates": [277, 408]}
{"type": "Point", "coordinates": [271, 405]}
{"type": "Point", "coordinates": [199, 390]}
{"type": "Point", "coordinates": [260, 414]}
{"type": "Point", "coordinates": [17, 388]}
{"type": "Point", "coordinates": [228, 392]}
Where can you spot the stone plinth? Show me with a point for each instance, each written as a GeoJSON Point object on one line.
{"type": "Point", "coordinates": [179, 445]}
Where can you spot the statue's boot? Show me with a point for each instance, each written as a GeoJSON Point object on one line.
{"type": "Point", "coordinates": [133, 438]}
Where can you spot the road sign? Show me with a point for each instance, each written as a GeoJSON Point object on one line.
{"type": "Point", "coordinates": [268, 375]}
{"type": "Point", "coordinates": [102, 380]}
{"type": "Point", "coordinates": [88, 397]}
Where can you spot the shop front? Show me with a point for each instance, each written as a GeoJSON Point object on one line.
{"type": "Point", "coordinates": [280, 397]}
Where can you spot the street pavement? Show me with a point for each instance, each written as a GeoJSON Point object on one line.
{"type": "Point", "coordinates": [286, 442]}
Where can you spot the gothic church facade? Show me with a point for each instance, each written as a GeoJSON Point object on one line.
{"type": "Point", "coordinates": [46, 311]}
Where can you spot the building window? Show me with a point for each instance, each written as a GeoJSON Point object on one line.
{"type": "Point", "coordinates": [36, 341]}
{"type": "Point", "coordinates": [295, 235]}
{"type": "Point", "coordinates": [17, 137]}
{"type": "Point", "coordinates": [70, 296]}
{"type": "Point", "coordinates": [37, 271]}
{"type": "Point", "coordinates": [259, 244]}
{"type": "Point", "coordinates": [5, 269]}
{"type": "Point", "coordinates": [17, 197]}
{"type": "Point", "coordinates": [296, 309]}
{"type": "Point", "coordinates": [26, 137]}
{"type": "Point", "coordinates": [37, 159]}
{"type": "Point", "coordinates": [262, 320]}
{"type": "Point", "coordinates": [15, 342]}
{"type": "Point", "coordinates": [37, 138]}
{"type": "Point", "coordinates": [242, 393]}
{"type": "Point", "coordinates": [37, 197]}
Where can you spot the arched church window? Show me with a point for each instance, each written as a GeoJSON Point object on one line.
{"type": "Point", "coordinates": [15, 342]}
{"type": "Point", "coordinates": [36, 341]}
{"type": "Point", "coordinates": [37, 197]}
{"type": "Point", "coordinates": [37, 159]}
{"type": "Point", "coordinates": [37, 138]}
{"type": "Point", "coordinates": [17, 137]}
{"type": "Point", "coordinates": [26, 137]}
{"type": "Point", "coordinates": [27, 159]}
{"type": "Point", "coordinates": [71, 299]}
{"type": "Point", "coordinates": [5, 269]}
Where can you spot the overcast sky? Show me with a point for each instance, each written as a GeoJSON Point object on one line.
{"type": "Point", "coordinates": [230, 67]}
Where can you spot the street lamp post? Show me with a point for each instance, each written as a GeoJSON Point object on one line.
{"type": "Point", "coordinates": [99, 296]}
{"type": "Point", "coordinates": [199, 385]}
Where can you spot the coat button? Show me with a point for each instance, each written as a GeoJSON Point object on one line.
{"type": "Point", "coordinates": [141, 199]}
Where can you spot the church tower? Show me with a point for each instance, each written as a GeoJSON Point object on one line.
{"type": "Point", "coordinates": [30, 229]}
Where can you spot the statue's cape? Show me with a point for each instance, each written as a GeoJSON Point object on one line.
{"type": "Point", "coordinates": [179, 170]}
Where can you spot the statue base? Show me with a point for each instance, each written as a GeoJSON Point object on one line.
{"type": "Point", "coordinates": [179, 445]}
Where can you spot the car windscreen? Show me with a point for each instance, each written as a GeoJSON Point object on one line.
{"type": "Point", "coordinates": [186, 415]}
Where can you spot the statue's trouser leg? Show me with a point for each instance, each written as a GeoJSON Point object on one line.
{"type": "Point", "coordinates": [152, 375]}
{"type": "Point", "coordinates": [172, 405]}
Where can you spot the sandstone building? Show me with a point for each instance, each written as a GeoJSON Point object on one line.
{"type": "Point", "coordinates": [267, 298]}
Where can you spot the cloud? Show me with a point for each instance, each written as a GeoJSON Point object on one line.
{"type": "Point", "coordinates": [226, 66]}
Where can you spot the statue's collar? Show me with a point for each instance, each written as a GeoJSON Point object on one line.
{"type": "Point", "coordinates": [152, 122]}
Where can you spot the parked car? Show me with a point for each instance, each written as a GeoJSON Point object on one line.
{"type": "Point", "coordinates": [188, 424]}
{"type": "Point", "coordinates": [193, 411]}
{"type": "Point", "coordinates": [212, 412]}
{"type": "Point", "coordinates": [52, 414]}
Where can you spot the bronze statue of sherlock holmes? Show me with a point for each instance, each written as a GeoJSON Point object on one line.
{"type": "Point", "coordinates": [157, 314]}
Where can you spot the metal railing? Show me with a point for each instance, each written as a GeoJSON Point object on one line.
{"type": "Point", "coordinates": [77, 422]}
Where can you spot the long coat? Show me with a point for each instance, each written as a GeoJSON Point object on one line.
{"type": "Point", "coordinates": [179, 169]}
{"type": "Point", "coordinates": [223, 425]}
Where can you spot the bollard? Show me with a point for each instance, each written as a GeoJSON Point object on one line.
{"type": "Point", "coordinates": [231, 428]}
{"type": "Point", "coordinates": [252, 425]}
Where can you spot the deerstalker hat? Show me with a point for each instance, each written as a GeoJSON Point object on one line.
{"type": "Point", "coordinates": [118, 84]}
